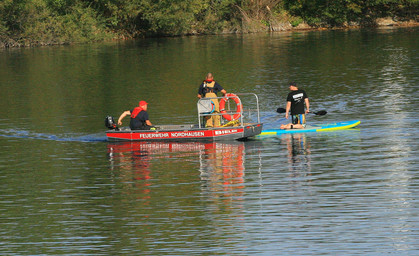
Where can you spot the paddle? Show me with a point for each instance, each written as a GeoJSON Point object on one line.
{"type": "Point", "coordinates": [318, 113]}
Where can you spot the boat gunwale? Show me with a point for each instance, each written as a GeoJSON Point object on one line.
{"type": "Point", "coordinates": [241, 133]}
{"type": "Point", "coordinates": [128, 130]}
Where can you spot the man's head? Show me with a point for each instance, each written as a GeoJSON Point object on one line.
{"type": "Point", "coordinates": [143, 104]}
{"type": "Point", "coordinates": [293, 86]}
{"type": "Point", "coordinates": [209, 77]}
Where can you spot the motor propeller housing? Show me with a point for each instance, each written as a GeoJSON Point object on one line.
{"type": "Point", "coordinates": [110, 123]}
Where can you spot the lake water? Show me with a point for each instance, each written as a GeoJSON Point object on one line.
{"type": "Point", "coordinates": [65, 190]}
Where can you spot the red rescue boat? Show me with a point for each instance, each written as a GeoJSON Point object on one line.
{"type": "Point", "coordinates": [244, 124]}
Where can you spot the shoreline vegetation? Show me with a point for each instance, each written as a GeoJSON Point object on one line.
{"type": "Point", "coordinates": [27, 23]}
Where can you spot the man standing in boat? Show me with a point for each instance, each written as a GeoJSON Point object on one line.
{"type": "Point", "coordinates": [209, 89]}
{"type": "Point", "coordinates": [298, 103]}
{"type": "Point", "coordinates": [139, 117]}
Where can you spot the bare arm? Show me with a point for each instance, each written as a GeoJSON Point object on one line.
{"type": "Point", "coordinates": [287, 110]}
{"type": "Point", "coordinates": [126, 113]}
{"type": "Point", "coordinates": [224, 92]}
{"type": "Point", "coordinates": [307, 105]}
{"type": "Point", "coordinates": [148, 123]}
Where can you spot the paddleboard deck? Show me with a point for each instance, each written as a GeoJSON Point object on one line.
{"type": "Point", "coordinates": [309, 128]}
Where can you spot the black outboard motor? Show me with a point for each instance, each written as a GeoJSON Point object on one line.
{"type": "Point", "coordinates": [110, 123]}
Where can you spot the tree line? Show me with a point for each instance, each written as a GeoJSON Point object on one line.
{"type": "Point", "coordinates": [37, 22]}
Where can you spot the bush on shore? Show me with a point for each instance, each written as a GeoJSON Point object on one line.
{"type": "Point", "coordinates": [47, 22]}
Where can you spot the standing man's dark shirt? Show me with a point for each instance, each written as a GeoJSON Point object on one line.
{"type": "Point", "coordinates": [297, 99]}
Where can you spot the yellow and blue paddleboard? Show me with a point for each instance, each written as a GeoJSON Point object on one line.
{"type": "Point", "coordinates": [321, 128]}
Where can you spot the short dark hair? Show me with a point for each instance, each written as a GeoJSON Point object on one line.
{"type": "Point", "coordinates": [292, 83]}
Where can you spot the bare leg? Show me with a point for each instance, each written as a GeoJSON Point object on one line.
{"type": "Point", "coordinates": [291, 126]}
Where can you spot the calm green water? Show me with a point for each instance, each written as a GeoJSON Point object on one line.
{"type": "Point", "coordinates": [65, 190]}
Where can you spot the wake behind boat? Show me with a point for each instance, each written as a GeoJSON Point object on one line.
{"type": "Point", "coordinates": [236, 124]}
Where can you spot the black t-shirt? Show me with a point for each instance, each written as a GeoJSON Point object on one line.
{"type": "Point", "coordinates": [138, 122]}
{"type": "Point", "coordinates": [297, 99]}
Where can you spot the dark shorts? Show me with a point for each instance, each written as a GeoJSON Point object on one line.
{"type": "Point", "coordinates": [299, 119]}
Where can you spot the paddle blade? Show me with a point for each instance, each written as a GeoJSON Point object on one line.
{"type": "Point", "coordinates": [280, 110]}
{"type": "Point", "coordinates": [320, 113]}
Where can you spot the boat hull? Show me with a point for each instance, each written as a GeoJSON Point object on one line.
{"type": "Point", "coordinates": [322, 128]}
{"type": "Point", "coordinates": [186, 133]}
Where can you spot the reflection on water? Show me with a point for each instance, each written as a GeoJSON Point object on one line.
{"type": "Point", "coordinates": [221, 164]}
{"type": "Point", "coordinates": [159, 198]}
{"type": "Point", "coordinates": [222, 169]}
{"type": "Point", "coordinates": [298, 148]}
{"type": "Point", "coordinates": [64, 190]}
{"type": "Point", "coordinates": [133, 162]}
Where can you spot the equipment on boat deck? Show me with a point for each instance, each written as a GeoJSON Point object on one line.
{"type": "Point", "coordinates": [241, 123]}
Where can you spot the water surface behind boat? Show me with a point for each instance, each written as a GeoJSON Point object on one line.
{"type": "Point", "coordinates": [65, 190]}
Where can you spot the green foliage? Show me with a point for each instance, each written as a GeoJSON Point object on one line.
{"type": "Point", "coordinates": [338, 12]}
{"type": "Point", "coordinates": [80, 24]}
{"type": "Point", "coordinates": [168, 17]}
{"type": "Point", "coordinates": [13, 14]}
{"type": "Point", "coordinates": [296, 21]}
{"type": "Point", "coordinates": [67, 21]}
{"type": "Point", "coordinates": [40, 22]}
{"type": "Point", "coordinates": [59, 6]}
{"type": "Point", "coordinates": [216, 16]}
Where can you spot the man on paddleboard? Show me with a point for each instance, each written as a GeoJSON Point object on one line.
{"type": "Point", "coordinates": [298, 103]}
{"type": "Point", "coordinates": [139, 117]}
{"type": "Point", "coordinates": [209, 89]}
